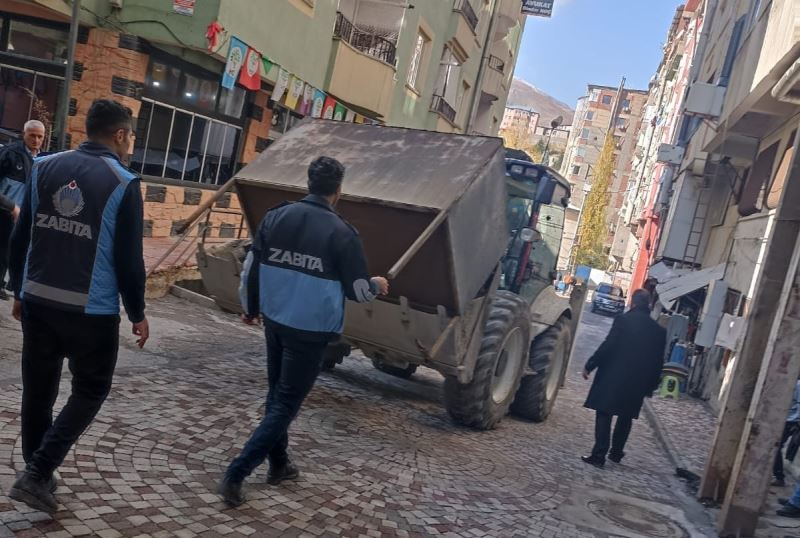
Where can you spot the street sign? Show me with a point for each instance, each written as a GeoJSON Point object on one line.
{"type": "Point", "coordinates": [538, 8]}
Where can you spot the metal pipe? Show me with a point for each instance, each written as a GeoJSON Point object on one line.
{"type": "Point", "coordinates": [416, 245]}
{"type": "Point", "coordinates": [65, 89]}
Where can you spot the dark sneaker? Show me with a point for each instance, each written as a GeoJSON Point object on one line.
{"type": "Point", "coordinates": [51, 484]}
{"type": "Point", "coordinates": [779, 483]}
{"type": "Point", "coordinates": [616, 458]}
{"type": "Point", "coordinates": [231, 492]}
{"type": "Point", "coordinates": [789, 510]}
{"type": "Point", "coordinates": [596, 462]}
{"type": "Point", "coordinates": [783, 501]}
{"type": "Point", "coordinates": [35, 492]}
{"type": "Point", "coordinates": [279, 474]}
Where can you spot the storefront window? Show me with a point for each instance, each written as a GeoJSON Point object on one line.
{"type": "Point", "coordinates": [231, 102]}
{"type": "Point", "coordinates": [163, 80]}
{"type": "Point", "coordinates": [25, 95]}
{"type": "Point", "coordinates": [200, 92]}
{"type": "Point", "coordinates": [177, 144]}
{"type": "Point", "coordinates": [44, 42]}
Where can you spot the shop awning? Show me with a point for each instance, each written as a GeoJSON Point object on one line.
{"type": "Point", "coordinates": [684, 284]}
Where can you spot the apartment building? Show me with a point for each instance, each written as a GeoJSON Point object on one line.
{"type": "Point", "coordinates": [520, 119]}
{"type": "Point", "coordinates": [640, 219]}
{"type": "Point", "coordinates": [604, 111]}
{"type": "Point", "coordinates": [445, 65]}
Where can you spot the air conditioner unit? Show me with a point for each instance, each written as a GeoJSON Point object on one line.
{"type": "Point", "coordinates": [704, 100]}
{"type": "Point", "coordinates": [670, 154]}
{"type": "Point", "coordinates": [698, 166]}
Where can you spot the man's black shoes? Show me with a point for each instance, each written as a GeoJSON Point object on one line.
{"type": "Point", "coordinates": [616, 458]}
{"type": "Point", "coordinates": [35, 491]}
{"type": "Point", "coordinates": [789, 510]}
{"type": "Point", "coordinates": [4, 296]}
{"type": "Point", "coordinates": [596, 462]}
{"type": "Point", "coordinates": [231, 492]}
{"type": "Point", "coordinates": [778, 483]}
{"type": "Point", "coordinates": [277, 475]}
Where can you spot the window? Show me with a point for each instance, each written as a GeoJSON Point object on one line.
{"type": "Point", "coordinates": [576, 169]}
{"type": "Point", "coordinates": [620, 122]}
{"type": "Point", "coordinates": [43, 42]}
{"type": "Point", "coordinates": [176, 83]}
{"type": "Point", "coordinates": [626, 104]}
{"type": "Point", "coordinates": [590, 115]}
{"type": "Point", "coordinates": [22, 89]}
{"type": "Point", "coordinates": [416, 61]}
{"type": "Point", "coordinates": [608, 289]}
{"type": "Point", "coordinates": [448, 84]}
{"type": "Point", "coordinates": [176, 144]}
{"type": "Point", "coordinates": [584, 133]}
{"type": "Point", "coordinates": [750, 201]}
{"type": "Point", "coordinates": [580, 152]}
{"type": "Point", "coordinates": [595, 96]}
{"type": "Point", "coordinates": [775, 188]}
{"type": "Point", "coordinates": [461, 99]}
{"type": "Point", "coordinates": [606, 100]}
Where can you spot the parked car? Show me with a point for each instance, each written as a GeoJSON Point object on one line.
{"type": "Point", "coordinates": [608, 299]}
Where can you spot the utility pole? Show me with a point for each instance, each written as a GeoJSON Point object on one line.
{"type": "Point", "coordinates": [63, 111]}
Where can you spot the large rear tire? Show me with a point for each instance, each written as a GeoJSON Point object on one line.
{"type": "Point", "coordinates": [548, 359]}
{"type": "Point", "coordinates": [396, 371]}
{"type": "Point", "coordinates": [484, 401]}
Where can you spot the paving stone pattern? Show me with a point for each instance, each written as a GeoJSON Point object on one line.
{"type": "Point", "coordinates": [379, 455]}
{"type": "Point", "coordinates": [690, 424]}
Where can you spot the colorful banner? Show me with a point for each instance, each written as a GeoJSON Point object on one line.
{"type": "Point", "coordinates": [183, 7]}
{"type": "Point", "coordinates": [250, 76]}
{"type": "Point", "coordinates": [359, 118]}
{"type": "Point", "coordinates": [295, 92]}
{"type": "Point", "coordinates": [329, 107]}
{"type": "Point", "coordinates": [319, 103]}
{"type": "Point", "coordinates": [280, 85]}
{"type": "Point", "coordinates": [308, 100]}
{"type": "Point", "coordinates": [338, 112]}
{"type": "Point", "coordinates": [235, 59]}
{"type": "Point", "coordinates": [350, 117]}
{"type": "Point", "coordinates": [266, 64]}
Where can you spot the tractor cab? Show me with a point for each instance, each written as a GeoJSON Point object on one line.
{"type": "Point", "coordinates": [537, 198]}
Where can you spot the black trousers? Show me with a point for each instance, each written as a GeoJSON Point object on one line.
{"type": "Point", "coordinates": [90, 343]}
{"type": "Point", "coordinates": [292, 366]}
{"type": "Point", "coordinates": [777, 466]}
{"type": "Point", "coordinates": [603, 439]}
{"type": "Point", "coordinates": [6, 227]}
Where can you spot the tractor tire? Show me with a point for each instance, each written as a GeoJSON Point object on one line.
{"type": "Point", "coordinates": [485, 400]}
{"type": "Point", "coordinates": [549, 359]}
{"type": "Point", "coordinates": [402, 373]}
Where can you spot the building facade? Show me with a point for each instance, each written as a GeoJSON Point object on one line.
{"type": "Point", "coordinates": [604, 111]}
{"type": "Point", "coordinates": [443, 66]}
{"type": "Point", "coordinates": [520, 119]}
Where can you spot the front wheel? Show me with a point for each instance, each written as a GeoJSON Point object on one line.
{"type": "Point", "coordinates": [485, 400]}
{"type": "Point", "coordinates": [548, 360]}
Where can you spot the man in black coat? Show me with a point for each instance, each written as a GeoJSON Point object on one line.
{"type": "Point", "coordinates": [16, 160]}
{"type": "Point", "coordinates": [628, 365]}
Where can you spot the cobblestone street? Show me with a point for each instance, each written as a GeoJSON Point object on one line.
{"type": "Point", "coordinates": [379, 455]}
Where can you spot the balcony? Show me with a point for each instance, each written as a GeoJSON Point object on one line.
{"type": "Point", "coordinates": [495, 78]}
{"type": "Point", "coordinates": [441, 107]}
{"type": "Point", "coordinates": [465, 8]}
{"type": "Point", "coordinates": [362, 71]}
{"type": "Point", "coordinates": [369, 43]}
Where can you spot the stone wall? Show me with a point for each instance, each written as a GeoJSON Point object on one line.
{"type": "Point", "coordinates": [167, 206]}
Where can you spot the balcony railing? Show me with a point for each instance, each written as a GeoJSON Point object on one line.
{"type": "Point", "coordinates": [368, 43]}
{"type": "Point", "coordinates": [440, 106]}
{"type": "Point", "coordinates": [465, 8]}
{"type": "Point", "coordinates": [497, 64]}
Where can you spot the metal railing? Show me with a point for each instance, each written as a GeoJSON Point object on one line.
{"type": "Point", "coordinates": [440, 106]}
{"type": "Point", "coordinates": [366, 42]}
{"type": "Point", "coordinates": [497, 64]}
{"type": "Point", "coordinates": [465, 8]}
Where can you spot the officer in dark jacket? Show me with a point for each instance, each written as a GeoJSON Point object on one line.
{"type": "Point", "coordinates": [304, 261]}
{"type": "Point", "coordinates": [16, 160]}
{"type": "Point", "coordinates": [628, 365]}
{"type": "Point", "coordinates": [77, 247]}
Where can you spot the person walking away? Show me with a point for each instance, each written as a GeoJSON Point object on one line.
{"type": "Point", "coordinates": [628, 364]}
{"type": "Point", "coordinates": [789, 429]}
{"type": "Point", "coordinates": [77, 247]}
{"type": "Point", "coordinates": [16, 160]}
{"type": "Point", "coordinates": [304, 261]}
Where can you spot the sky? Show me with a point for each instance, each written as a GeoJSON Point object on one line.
{"type": "Point", "coordinates": [594, 41]}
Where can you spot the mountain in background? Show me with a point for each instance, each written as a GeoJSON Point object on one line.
{"type": "Point", "coordinates": [525, 94]}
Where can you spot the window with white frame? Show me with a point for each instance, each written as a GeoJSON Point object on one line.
{"type": "Point", "coordinates": [417, 58]}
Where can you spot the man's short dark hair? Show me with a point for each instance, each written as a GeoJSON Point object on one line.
{"type": "Point", "coordinates": [106, 117]}
{"type": "Point", "coordinates": [325, 175]}
{"type": "Point", "coordinates": [640, 298]}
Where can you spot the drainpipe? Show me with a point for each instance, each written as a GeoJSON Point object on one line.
{"type": "Point", "coordinates": [65, 88]}
{"type": "Point", "coordinates": [475, 98]}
